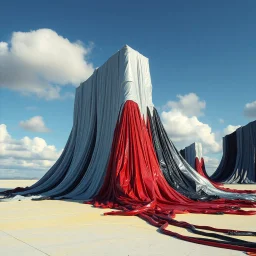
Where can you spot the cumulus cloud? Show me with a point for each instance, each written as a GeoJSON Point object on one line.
{"type": "Point", "coordinates": [183, 126]}
{"type": "Point", "coordinates": [25, 154]}
{"type": "Point", "coordinates": [230, 128]}
{"type": "Point", "coordinates": [250, 110]}
{"type": "Point", "coordinates": [34, 124]}
{"type": "Point", "coordinates": [221, 121]}
{"type": "Point", "coordinates": [3, 48]}
{"type": "Point", "coordinates": [211, 164]}
{"type": "Point", "coordinates": [40, 62]}
{"type": "Point", "coordinates": [188, 105]}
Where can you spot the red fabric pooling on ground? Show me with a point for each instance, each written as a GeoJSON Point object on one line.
{"type": "Point", "coordinates": [135, 185]}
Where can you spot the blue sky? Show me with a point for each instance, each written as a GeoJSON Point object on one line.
{"type": "Point", "coordinates": [202, 47]}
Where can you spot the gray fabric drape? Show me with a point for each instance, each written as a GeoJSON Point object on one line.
{"type": "Point", "coordinates": [80, 170]}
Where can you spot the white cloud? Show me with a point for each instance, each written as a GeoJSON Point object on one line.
{"type": "Point", "coordinates": [184, 128]}
{"type": "Point", "coordinates": [230, 128]}
{"type": "Point", "coordinates": [221, 121]}
{"type": "Point", "coordinates": [40, 62]}
{"type": "Point", "coordinates": [34, 124]}
{"type": "Point", "coordinates": [3, 48]}
{"type": "Point", "coordinates": [211, 164]}
{"type": "Point", "coordinates": [189, 105]}
{"type": "Point", "coordinates": [25, 155]}
{"type": "Point", "coordinates": [250, 110]}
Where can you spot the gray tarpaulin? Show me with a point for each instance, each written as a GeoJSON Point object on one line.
{"type": "Point", "coordinates": [80, 170]}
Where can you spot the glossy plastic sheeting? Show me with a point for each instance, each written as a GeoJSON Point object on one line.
{"type": "Point", "coordinates": [244, 170]}
{"type": "Point", "coordinates": [228, 161]}
{"type": "Point", "coordinates": [135, 185]}
{"type": "Point", "coordinates": [200, 168]}
{"type": "Point", "coordinates": [171, 163]}
{"type": "Point", "coordinates": [179, 174]}
{"type": "Point", "coordinates": [193, 154]}
{"type": "Point", "coordinates": [238, 163]}
{"type": "Point", "coordinates": [80, 170]}
{"type": "Point", "coordinates": [195, 151]}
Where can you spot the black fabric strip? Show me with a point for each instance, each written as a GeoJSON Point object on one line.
{"type": "Point", "coordinates": [165, 151]}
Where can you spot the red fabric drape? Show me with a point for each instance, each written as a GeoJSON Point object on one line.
{"type": "Point", "coordinates": [135, 185]}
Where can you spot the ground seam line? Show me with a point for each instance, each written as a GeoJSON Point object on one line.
{"type": "Point", "coordinates": [25, 243]}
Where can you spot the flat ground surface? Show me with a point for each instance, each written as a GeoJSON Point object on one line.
{"type": "Point", "coordinates": [70, 228]}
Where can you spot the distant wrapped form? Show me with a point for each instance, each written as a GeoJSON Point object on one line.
{"type": "Point", "coordinates": [238, 163]}
{"type": "Point", "coordinates": [244, 170]}
{"type": "Point", "coordinates": [193, 154]}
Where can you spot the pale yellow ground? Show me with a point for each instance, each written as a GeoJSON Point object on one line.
{"type": "Point", "coordinates": [70, 228]}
